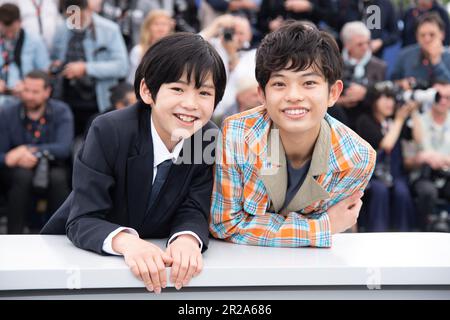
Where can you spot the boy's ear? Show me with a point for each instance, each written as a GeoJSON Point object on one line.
{"type": "Point", "coordinates": [144, 91]}
{"type": "Point", "coordinates": [335, 92]}
{"type": "Point", "coordinates": [261, 94]}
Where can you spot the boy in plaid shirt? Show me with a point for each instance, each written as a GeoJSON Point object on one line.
{"type": "Point", "coordinates": [288, 174]}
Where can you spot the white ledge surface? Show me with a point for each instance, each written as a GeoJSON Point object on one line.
{"type": "Point", "coordinates": [35, 262]}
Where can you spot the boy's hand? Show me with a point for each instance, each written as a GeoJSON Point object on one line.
{"type": "Point", "coordinates": [146, 261]}
{"type": "Point", "coordinates": [344, 214]}
{"type": "Point", "coordinates": [187, 260]}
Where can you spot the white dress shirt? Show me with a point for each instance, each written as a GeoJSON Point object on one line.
{"type": "Point", "coordinates": [160, 154]}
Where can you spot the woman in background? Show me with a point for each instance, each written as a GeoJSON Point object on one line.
{"type": "Point", "coordinates": [389, 204]}
{"type": "Point", "coordinates": [157, 25]}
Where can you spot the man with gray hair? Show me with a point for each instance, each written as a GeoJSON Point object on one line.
{"type": "Point", "coordinates": [361, 70]}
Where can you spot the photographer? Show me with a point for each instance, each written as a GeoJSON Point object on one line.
{"type": "Point", "coordinates": [20, 52]}
{"type": "Point", "coordinates": [415, 11]}
{"type": "Point", "coordinates": [361, 70]}
{"type": "Point", "coordinates": [230, 36]}
{"type": "Point", "coordinates": [88, 59]}
{"type": "Point", "coordinates": [426, 61]}
{"type": "Point", "coordinates": [32, 133]}
{"type": "Point", "coordinates": [431, 132]}
{"type": "Point", "coordinates": [389, 198]}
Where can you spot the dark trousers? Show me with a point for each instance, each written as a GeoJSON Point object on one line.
{"type": "Point", "coordinates": [16, 183]}
{"type": "Point", "coordinates": [388, 207]}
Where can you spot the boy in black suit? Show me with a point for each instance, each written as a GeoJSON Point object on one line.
{"type": "Point", "coordinates": [126, 185]}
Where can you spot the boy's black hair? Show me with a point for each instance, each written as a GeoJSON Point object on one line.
{"type": "Point", "coordinates": [82, 4]}
{"type": "Point", "coordinates": [39, 74]}
{"type": "Point", "coordinates": [298, 46]}
{"type": "Point", "coordinates": [9, 13]}
{"type": "Point", "coordinates": [168, 58]}
{"type": "Point", "coordinates": [431, 17]}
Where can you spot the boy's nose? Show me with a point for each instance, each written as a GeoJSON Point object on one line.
{"type": "Point", "coordinates": [294, 94]}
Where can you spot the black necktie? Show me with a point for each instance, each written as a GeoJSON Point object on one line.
{"type": "Point", "coordinates": [160, 179]}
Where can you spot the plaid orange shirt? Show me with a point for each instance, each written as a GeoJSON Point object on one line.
{"type": "Point", "coordinates": [250, 184]}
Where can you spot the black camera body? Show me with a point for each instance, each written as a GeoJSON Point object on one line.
{"type": "Point", "coordinates": [348, 77]}
{"type": "Point", "coordinates": [41, 178]}
{"type": "Point", "coordinates": [56, 70]}
{"type": "Point", "coordinates": [228, 34]}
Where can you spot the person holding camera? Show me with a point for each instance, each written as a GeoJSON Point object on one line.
{"type": "Point", "coordinates": [230, 36]}
{"type": "Point", "coordinates": [35, 140]}
{"type": "Point", "coordinates": [415, 11]}
{"type": "Point", "coordinates": [389, 198]}
{"type": "Point", "coordinates": [20, 53]}
{"type": "Point", "coordinates": [89, 57]}
{"type": "Point", "coordinates": [361, 70]}
{"type": "Point", "coordinates": [427, 61]}
{"type": "Point", "coordinates": [431, 162]}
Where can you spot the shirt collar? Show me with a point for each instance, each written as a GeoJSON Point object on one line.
{"type": "Point", "coordinates": [160, 151]}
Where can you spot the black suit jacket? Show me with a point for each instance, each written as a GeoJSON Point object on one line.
{"type": "Point", "coordinates": [112, 183]}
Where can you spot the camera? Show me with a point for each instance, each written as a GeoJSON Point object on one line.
{"type": "Point", "coordinates": [41, 174]}
{"type": "Point", "coordinates": [382, 173]}
{"type": "Point", "coordinates": [420, 92]}
{"type": "Point", "coordinates": [439, 223]}
{"type": "Point", "coordinates": [56, 70]}
{"type": "Point", "coordinates": [228, 34]}
{"type": "Point", "coordinates": [348, 77]}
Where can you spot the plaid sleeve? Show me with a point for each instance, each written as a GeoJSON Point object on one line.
{"type": "Point", "coordinates": [229, 220]}
{"type": "Point", "coordinates": [355, 178]}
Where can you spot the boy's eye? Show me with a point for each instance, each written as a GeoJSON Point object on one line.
{"type": "Point", "coordinates": [205, 93]}
{"type": "Point", "coordinates": [310, 83]}
{"type": "Point", "coordinates": [177, 89]}
{"type": "Point", "coordinates": [278, 84]}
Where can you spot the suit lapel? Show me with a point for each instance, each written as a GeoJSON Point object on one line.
{"type": "Point", "coordinates": [140, 172]}
{"type": "Point", "coordinates": [274, 171]}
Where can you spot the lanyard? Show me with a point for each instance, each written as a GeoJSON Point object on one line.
{"type": "Point", "coordinates": [7, 52]}
{"type": "Point", "coordinates": [38, 6]}
{"type": "Point", "coordinates": [36, 129]}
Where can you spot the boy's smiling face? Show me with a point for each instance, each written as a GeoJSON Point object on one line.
{"type": "Point", "coordinates": [180, 109]}
{"type": "Point", "coordinates": [297, 101]}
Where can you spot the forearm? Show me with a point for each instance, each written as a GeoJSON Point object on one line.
{"type": "Point", "coordinates": [390, 139]}
{"type": "Point", "coordinates": [89, 231]}
{"type": "Point", "coordinates": [272, 229]}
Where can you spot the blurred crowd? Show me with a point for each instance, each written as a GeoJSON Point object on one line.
{"type": "Point", "coordinates": [62, 63]}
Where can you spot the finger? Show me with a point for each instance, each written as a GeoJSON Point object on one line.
{"type": "Point", "coordinates": [134, 268]}
{"type": "Point", "coordinates": [199, 265]}
{"type": "Point", "coordinates": [167, 258]}
{"type": "Point", "coordinates": [154, 274]}
{"type": "Point", "coordinates": [145, 276]}
{"type": "Point", "coordinates": [353, 198]}
{"type": "Point", "coordinates": [175, 266]}
{"type": "Point", "coordinates": [355, 211]}
{"type": "Point", "coordinates": [191, 269]}
{"type": "Point", "coordinates": [162, 271]}
{"type": "Point", "coordinates": [184, 266]}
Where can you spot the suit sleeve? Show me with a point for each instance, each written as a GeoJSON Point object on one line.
{"type": "Point", "coordinates": [93, 183]}
{"type": "Point", "coordinates": [193, 213]}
